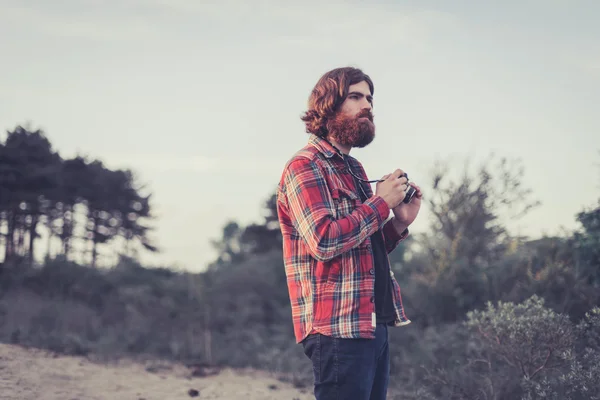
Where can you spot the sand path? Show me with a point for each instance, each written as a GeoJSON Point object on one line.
{"type": "Point", "coordinates": [31, 374]}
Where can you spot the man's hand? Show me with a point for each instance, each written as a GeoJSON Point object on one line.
{"type": "Point", "coordinates": [405, 214]}
{"type": "Point", "coordinates": [392, 189]}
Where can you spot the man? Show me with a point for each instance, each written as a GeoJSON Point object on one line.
{"type": "Point", "coordinates": [336, 240]}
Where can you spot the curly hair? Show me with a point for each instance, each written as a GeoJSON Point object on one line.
{"type": "Point", "coordinates": [327, 96]}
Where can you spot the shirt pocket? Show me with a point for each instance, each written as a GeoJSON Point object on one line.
{"type": "Point", "coordinates": [345, 201]}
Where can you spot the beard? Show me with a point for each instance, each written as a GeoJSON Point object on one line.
{"type": "Point", "coordinates": [352, 131]}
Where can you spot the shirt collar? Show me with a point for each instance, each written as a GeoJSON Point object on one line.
{"type": "Point", "coordinates": [324, 146]}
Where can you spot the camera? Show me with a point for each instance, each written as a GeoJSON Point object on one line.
{"type": "Point", "coordinates": [410, 191]}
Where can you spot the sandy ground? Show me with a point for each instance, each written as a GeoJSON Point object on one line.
{"type": "Point", "coordinates": [27, 374]}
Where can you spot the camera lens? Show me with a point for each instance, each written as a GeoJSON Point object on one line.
{"type": "Point", "coordinates": [410, 193]}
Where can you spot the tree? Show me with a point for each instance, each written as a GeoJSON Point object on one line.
{"type": "Point", "coordinates": [470, 215]}
{"type": "Point", "coordinates": [38, 187]}
{"type": "Point", "coordinates": [238, 243]}
{"type": "Point", "coordinates": [114, 208]}
{"type": "Point", "coordinates": [130, 211]}
{"type": "Point", "coordinates": [587, 243]}
{"type": "Point", "coordinates": [28, 177]}
{"type": "Point", "coordinates": [468, 238]}
{"type": "Point", "coordinates": [73, 178]}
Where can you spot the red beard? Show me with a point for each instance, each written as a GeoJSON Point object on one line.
{"type": "Point", "coordinates": [351, 131]}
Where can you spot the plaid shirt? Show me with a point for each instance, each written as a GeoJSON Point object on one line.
{"type": "Point", "coordinates": [327, 246]}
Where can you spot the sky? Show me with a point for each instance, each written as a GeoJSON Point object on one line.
{"type": "Point", "coordinates": [202, 99]}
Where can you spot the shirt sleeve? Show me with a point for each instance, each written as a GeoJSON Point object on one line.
{"type": "Point", "coordinates": [312, 211]}
{"type": "Point", "coordinates": [392, 237]}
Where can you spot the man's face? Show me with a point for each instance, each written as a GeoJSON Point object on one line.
{"type": "Point", "coordinates": [353, 124]}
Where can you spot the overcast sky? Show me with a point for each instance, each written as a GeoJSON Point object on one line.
{"type": "Point", "coordinates": [202, 100]}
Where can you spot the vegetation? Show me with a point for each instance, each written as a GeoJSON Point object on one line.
{"type": "Point", "coordinates": [494, 316]}
{"type": "Point", "coordinates": [73, 199]}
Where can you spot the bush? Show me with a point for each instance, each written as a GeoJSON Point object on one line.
{"type": "Point", "coordinates": [513, 351]}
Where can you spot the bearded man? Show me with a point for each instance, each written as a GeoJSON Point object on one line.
{"type": "Point", "coordinates": [337, 235]}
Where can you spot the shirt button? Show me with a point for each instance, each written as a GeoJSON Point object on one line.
{"type": "Point", "coordinates": [372, 299]}
{"type": "Point", "coordinates": [372, 271]}
{"type": "Point", "coordinates": [369, 247]}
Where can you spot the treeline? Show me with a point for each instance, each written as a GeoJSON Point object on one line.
{"type": "Point", "coordinates": [71, 199]}
{"type": "Point", "coordinates": [495, 316]}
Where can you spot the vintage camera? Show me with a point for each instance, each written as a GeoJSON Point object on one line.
{"type": "Point", "coordinates": [410, 191]}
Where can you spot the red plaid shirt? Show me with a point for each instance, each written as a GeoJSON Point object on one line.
{"type": "Point", "coordinates": [327, 247]}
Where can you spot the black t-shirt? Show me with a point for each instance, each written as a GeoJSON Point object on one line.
{"type": "Point", "coordinates": [384, 303]}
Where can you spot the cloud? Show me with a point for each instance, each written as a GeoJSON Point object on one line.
{"type": "Point", "coordinates": [239, 166]}
{"type": "Point", "coordinates": [592, 66]}
{"type": "Point", "coordinates": [163, 162]}
{"type": "Point", "coordinates": [298, 24]}
{"type": "Point", "coordinates": [196, 164]}
{"type": "Point", "coordinates": [185, 7]}
{"type": "Point", "coordinates": [357, 27]}
{"type": "Point", "coordinates": [87, 22]}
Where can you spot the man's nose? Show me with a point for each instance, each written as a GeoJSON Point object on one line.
{"type": "Point", "coordinates": [366, 105]}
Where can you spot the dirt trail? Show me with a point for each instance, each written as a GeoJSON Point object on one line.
{"type": "Point", "coordinates": [31, 374]}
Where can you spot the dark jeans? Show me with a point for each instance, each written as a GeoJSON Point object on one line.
{"type": "Point", "coordinates": [350, 369]}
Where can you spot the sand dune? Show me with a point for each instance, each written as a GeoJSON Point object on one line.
{"type": "Point", "coordinates": [28, 374]}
